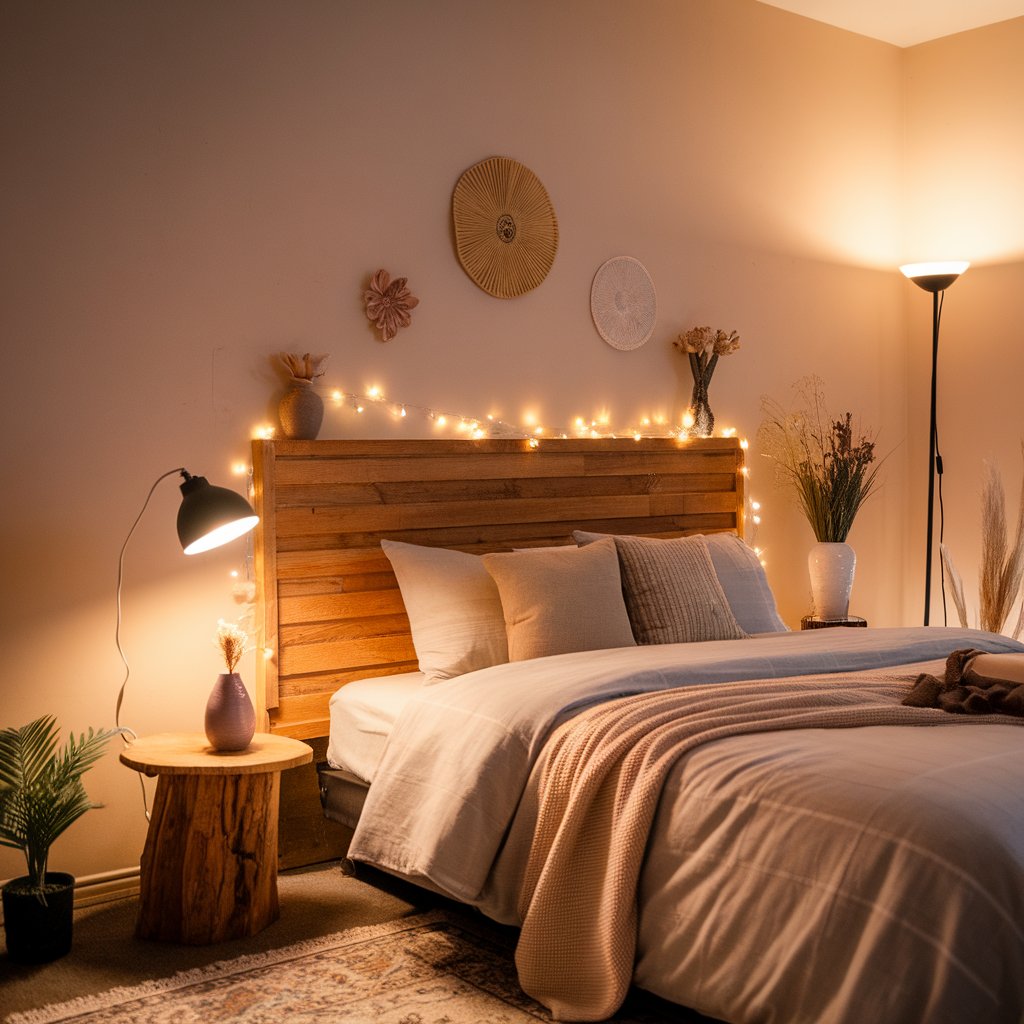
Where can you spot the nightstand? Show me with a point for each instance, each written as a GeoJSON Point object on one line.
{"type": "Point", "coordinates": [816, 622]}
{"type": "Point", "coordinates": [209, 867]}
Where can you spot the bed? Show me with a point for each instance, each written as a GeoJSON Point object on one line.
{"type": "Point", "coordinates": [824, 853]}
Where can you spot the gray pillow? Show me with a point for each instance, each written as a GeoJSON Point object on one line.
{"type": "Point", "coordinates": [672, 593]}
{"type": "Point", "coordinates": [746, 587]}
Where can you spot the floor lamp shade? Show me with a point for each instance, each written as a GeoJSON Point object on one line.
{"type": "Point", "coordinates": [934, 277]}
{"type": "Point", "coordinates": [210, 516]}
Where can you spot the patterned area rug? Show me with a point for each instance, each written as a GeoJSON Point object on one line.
{"type": "Point", "coordinates": [434, 968]}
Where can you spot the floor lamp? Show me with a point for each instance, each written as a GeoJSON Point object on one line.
{"type": "Point", "coordinates": [934, 278]}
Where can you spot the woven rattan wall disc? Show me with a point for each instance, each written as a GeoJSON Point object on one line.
{"type": "Point", "coordinates": [506, 234]}
{"type": "Point", "coordinates": [623, 303]}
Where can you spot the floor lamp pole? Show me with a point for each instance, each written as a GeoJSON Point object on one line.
{"type": "Point", "coordinates": [934, 278]}
{"type": "Point", "coordinates": [931, 460]}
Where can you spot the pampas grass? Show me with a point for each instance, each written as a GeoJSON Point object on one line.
{"type": "Point", "coordinates": [1002, 563]}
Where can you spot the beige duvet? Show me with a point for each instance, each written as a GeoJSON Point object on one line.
{"type": "Point", "coordinates": [867, 874]}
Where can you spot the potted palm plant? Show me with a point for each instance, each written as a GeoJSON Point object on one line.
{"type": "Point", "coordinates": [41, 795]}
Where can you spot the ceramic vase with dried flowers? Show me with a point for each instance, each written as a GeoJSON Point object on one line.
{"type": "Point", "coordinates": [230, 717]}
{"type": "Point", "coordinates": [703, 347]}
{"type": "Point", "coordinates": [833, 473]}
{"type": "Point", "coordinates": [301, 410]}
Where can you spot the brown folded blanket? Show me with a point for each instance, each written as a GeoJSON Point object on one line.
{"type": "Point", "coordinates": [965, 692]}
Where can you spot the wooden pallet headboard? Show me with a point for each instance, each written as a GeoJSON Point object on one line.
{"type": "Point", "coordinates": [329, 606]}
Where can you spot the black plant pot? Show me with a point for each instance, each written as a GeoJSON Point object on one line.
{"type": "Point", "coordinates": [39, 932]}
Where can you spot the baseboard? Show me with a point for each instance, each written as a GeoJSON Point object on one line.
{"type": "Point", "coordinates": [106, 886]}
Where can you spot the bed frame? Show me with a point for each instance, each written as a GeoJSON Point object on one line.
{"type": "Point", "coordinates": [329, 609]}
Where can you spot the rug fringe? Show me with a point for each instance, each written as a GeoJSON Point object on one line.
{"type": "Point", "coordinates": [53, 1013]}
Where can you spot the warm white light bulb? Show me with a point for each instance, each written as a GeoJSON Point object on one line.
{"type": "Point", "coordinates": [938, 269]}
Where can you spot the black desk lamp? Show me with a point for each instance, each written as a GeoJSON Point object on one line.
{"type": "Point", "coordinates": [207, 518]}
{"type": "Point", "coordinates": [934, 278]}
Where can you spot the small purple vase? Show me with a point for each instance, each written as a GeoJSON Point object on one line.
{"type": "Point", "coordinates": [230, 716]}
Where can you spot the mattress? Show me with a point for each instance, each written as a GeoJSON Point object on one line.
{"type": "Point", "coordinates": [363, 713]}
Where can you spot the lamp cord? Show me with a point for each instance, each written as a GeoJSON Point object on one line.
{"type": "Point", "coordinates": [938, 470]}
{"type": "Point", "coordinates": [117, 627]}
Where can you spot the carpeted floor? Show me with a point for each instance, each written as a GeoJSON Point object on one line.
{"type": "Point", "coordinates": [315, 903]}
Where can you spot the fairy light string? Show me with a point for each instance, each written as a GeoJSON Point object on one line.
{"type": "Point", "coordinates": [491, 426]}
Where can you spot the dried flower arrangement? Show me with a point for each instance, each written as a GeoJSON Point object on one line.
{"type": "Point", "coordinates": [703, 347]}
{"type": "Point", "coordinates": [232, 641]}
{"type": "Point", "coordinates": [305, 367]}
{"type": "Point", "coordinates": [388, 303]}
{"type": "Point", "coordinates": [832, 472]}
{"type": "Point", "coordinates": [1002, 565]}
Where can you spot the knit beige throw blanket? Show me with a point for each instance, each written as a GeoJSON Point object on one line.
{"type": "Point", "coordinates": [598, 794]}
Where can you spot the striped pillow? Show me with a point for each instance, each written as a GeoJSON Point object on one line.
{"type": "Point", "coordinates": [672, 592]}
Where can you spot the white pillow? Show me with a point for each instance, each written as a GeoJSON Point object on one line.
{"type": "Point", "coordinates": [559, 600]}
{"type": "Point", "coordinates": [453, 607]}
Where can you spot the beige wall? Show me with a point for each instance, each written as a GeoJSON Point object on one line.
{"type": "Point", "coordinates": [189, 188]}
{"type": "Point", "coordinates": [965, 200]}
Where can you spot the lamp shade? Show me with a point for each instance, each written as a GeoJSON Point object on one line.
{"type": "Point", "coordinates": [210, 516]}
{"type": "Point", "coordinates": [934, 277]}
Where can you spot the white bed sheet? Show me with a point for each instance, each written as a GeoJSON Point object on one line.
{"type": "Point", "coordinates": [362, 714]}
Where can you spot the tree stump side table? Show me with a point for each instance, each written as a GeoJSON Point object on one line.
{"type": "Point", "coordinates": [209, 867]}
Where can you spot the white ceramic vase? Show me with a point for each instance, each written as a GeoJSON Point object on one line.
{"type": "Point", "coordinates": [831, 568]}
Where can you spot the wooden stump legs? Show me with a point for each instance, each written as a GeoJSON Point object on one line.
{"type": "Point", "coordinates": [209, 868]}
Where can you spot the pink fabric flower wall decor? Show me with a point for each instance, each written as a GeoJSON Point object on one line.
{"type": "Point", "coordinates": [388, 303]}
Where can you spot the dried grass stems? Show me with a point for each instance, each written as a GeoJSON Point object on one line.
{"type": "Point", "coordinates": [832, 471]}
{"type": "Point", "coordinates": [1002, 564]}
{"type": "Point", "coordinates": [232, 641]}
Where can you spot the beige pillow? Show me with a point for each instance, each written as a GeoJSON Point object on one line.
{"type": "Point", "coordinates": [453, 607]}
{"type": "Point", "coordinates": [559, 600]}
{"type": "Point", "coordinates": [672, 592]}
